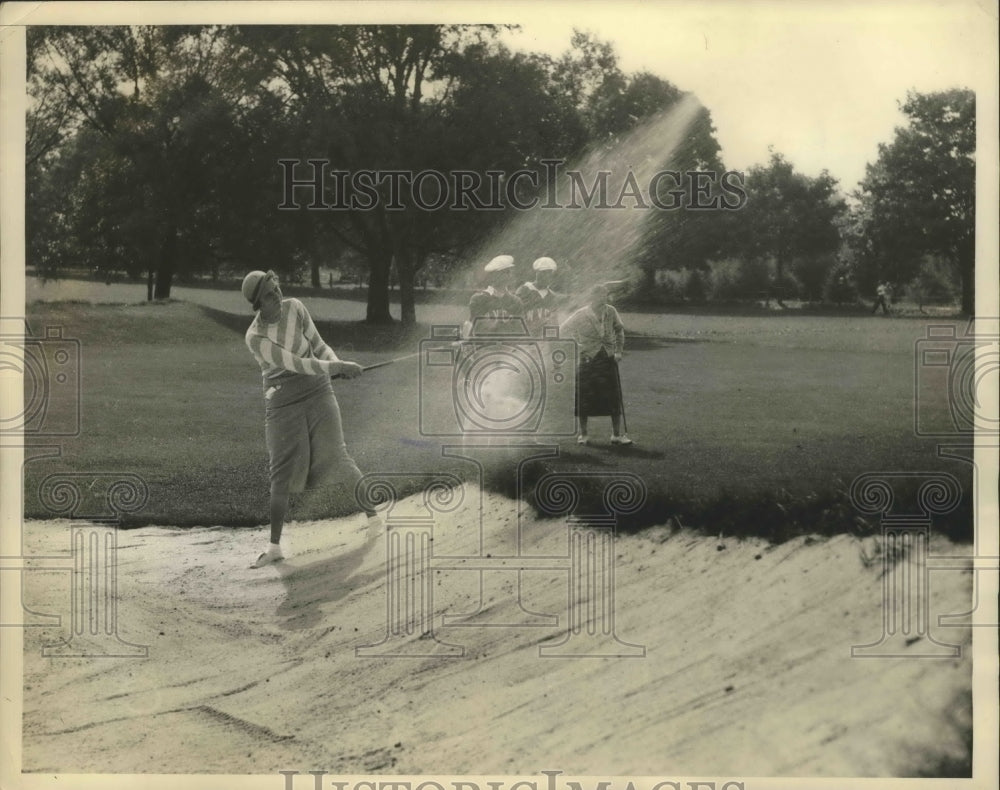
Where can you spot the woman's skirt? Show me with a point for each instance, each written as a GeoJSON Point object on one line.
{"type": "Point", "coordinates": [598, 387]}
{"type": "Point", "coordinates": [305, 437]}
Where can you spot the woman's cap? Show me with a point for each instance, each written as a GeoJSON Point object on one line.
{"type": "Point", "coordinates": [252, 284]}
{"type": "Point", "coordinates": [500, 263]}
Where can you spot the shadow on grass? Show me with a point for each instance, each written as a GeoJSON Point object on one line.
{"type": "Point", "coordinates": [635, 451]}
{"type": "Point", "coordinates": [361, 336]}
{"type": "Point", "coordinates": [758, 309]}
{"type": "Point", "coordinates": [775, 515]}
{"type": "Point", "coordinates": [350, 335]}
{"type": "Point", "coordinates": [598, 454]}
{"type": "Point", "coordinates": [639, 342]}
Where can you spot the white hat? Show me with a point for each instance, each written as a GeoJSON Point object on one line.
{"type": "Point", "coordinates": [252, 284]}
{"type": "Point", "coordinates": [500, 263]}
{"type": "Point", "coordinates": [544, 265]}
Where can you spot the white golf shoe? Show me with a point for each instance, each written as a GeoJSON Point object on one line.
{"type": "Point", "coordinates": [269, 557]}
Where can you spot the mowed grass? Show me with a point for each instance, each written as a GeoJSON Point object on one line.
{"type": "Point", "coordinates": [743, 425]}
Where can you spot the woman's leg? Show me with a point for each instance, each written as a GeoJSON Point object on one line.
{"type": "Point", "coordinates": [327, 431]}
{"type": "Point", "coordinates": [279, 437]}
{"type": "Point", "coordinates": [279, 509]}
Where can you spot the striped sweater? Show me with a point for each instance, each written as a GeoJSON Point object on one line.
{"type": "Point", "coordinates": [291, 345]}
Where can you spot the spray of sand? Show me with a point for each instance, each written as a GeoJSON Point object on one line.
{"type": "Point", "coordinates": [591, 220]}
{"type": "Point", "coordinates": [600, 241]}
{"type": "Point", "coordinates": [594, 237]}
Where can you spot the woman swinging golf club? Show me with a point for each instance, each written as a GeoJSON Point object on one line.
{"type": "Point", "coordinates": [302, 426]}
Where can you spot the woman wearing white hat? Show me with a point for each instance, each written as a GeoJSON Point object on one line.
{"type": "Point", "coordinates": [302, 425]}
{"type": "Point", "coordinates": [540, 301]}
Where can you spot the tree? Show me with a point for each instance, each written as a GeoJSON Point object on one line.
{"type": "Point", "coordinates": [363, 98]}
{"type": "Point", "coordinates": [919, 197]}
{"type": "Point", "coordinates": [151, 152]}
{"type": "Point", "coordinates": [156, 150]}
{"type": "Point", "coordinates": [416, 98]}
{"type": "Point", "coordinates": [505, 116]}
{"type": "Point", "coordinates": [790, 219]}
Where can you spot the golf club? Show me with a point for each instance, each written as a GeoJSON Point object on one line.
{"type": "Point", "coordinates": [366, 368]}
{"type": "Point", "coordinates": [621, 398]}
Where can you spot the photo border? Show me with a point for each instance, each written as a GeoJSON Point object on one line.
{"type": "Point", "coordinates": [12, 303]}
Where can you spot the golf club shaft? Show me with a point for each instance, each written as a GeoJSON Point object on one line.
{"type": "Point", "coordinates": [391, 361]}
{"type": "Point", "coordinates": [366, 368]}
{"type": "Point", "coordinates": [621, 398]}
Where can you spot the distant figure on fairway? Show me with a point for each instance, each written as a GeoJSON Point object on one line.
{"type": "Point", "coordinates": [540, 302]}
{"type": "Point", "coordinates": [302, 426]}
{"type": "Point", "coordinates": [491, 309]}
{"type": "Point", "coordinates": [600, 336]}
{"type": "Point", "coordinates": [881, 299]}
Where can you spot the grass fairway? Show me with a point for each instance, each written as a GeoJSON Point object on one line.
{"type": "Point", "coordinates": [744, 424]}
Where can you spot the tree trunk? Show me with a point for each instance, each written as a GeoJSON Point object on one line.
{"type": "Point", "coordinates": [378, 289]}
{"type": "Point", "coordinates": [967, 272]}
{"type": "Point", "coordinates": [406, 269]}
{"type": "Point", "coordinates": [779, 279]}
{"type": "Point", "coordinates": [168, 259]}
{"type": "Point", "coordinates": [311, 242]}
{"type": "Point", "coordinates": [149, 285]}
{"type": "Point", "coordinates": [648, 280]}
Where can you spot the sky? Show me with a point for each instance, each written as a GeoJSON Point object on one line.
{"type": "Point", "coordinates": [821, 82]}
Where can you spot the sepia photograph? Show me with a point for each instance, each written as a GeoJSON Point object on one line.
{"type": "Point", "coordinates": [499, 396]}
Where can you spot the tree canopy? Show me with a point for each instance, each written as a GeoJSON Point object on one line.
{"type": "Point", "coordinates": [919, 197]}
{"type": "Point", "coordinates": [156, 150]}
{"type": "Point", "coordinates": [169, 152]}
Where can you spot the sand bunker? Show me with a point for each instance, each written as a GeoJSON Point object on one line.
{"type": "Point", "coordinates": [728, 661]}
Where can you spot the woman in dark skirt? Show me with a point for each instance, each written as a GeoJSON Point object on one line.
{"type": "Point", "coordinates": [600, 336]}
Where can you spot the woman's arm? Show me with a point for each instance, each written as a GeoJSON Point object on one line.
{"type": "Point", "coordinates": [274, 356]}
{"type": "Point", "coordinates": [319, 347]}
